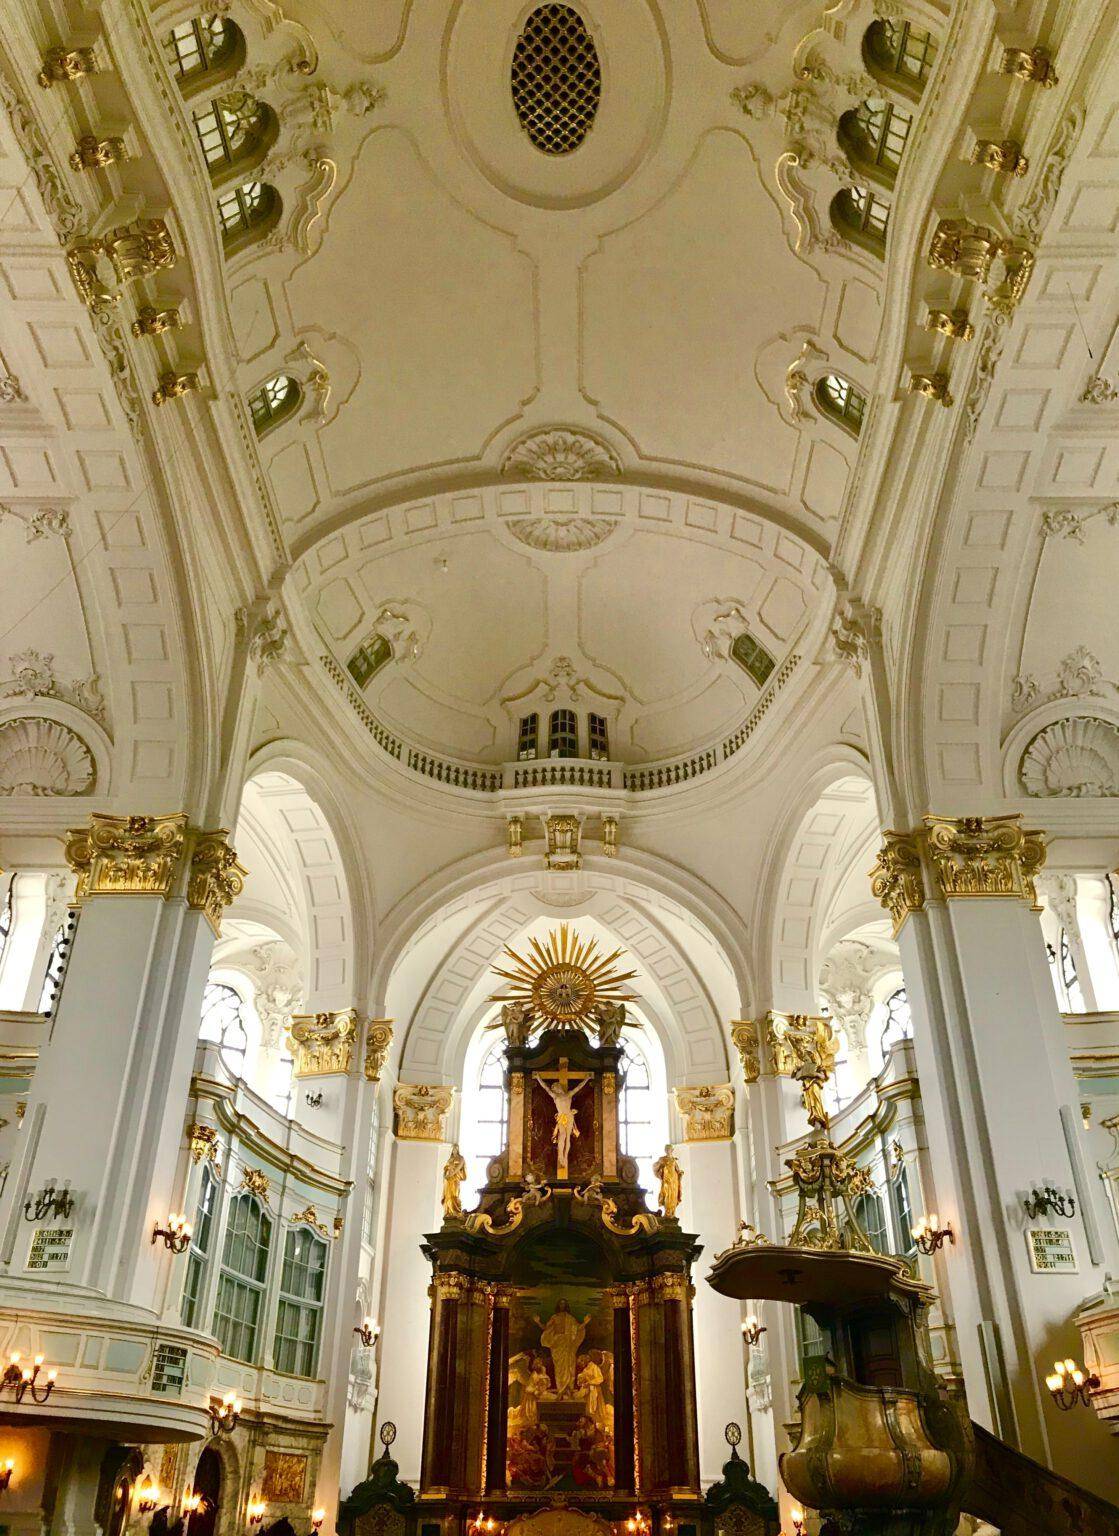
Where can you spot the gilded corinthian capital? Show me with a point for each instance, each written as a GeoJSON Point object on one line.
{"type": "Point", "coordinates": [377, 1042]}
{"type": "Point", "coordinates": [155, 856]}
{"type": "Point", "coordinates": [896, 878]}
{"type": "Point", "coordinates": [952, 856]}
{"type": "Point", "coordinates": [984, 856]}
{"type": "Point", "coordinates": [744, 1038]}
{"type": "Point", "coordinates": [323, 1043]}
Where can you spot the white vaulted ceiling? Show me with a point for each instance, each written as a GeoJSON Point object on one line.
{"type": "Point", "coordinates": [620, 597]}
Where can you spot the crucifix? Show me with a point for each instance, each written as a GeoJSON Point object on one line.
{"type": "Point", "coordinates": [563, 1085]}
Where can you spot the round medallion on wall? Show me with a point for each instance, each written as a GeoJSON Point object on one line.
{"type": "Point", "coordinates": [557, 105]}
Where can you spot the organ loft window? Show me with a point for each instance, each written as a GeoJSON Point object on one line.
{"type": "Point", "coordinates": [247, 212]}
{"type": "Point", "coordinates": [234, 132]}
{"type": "Point", "coordinates": [597, 739]}
{"type": "Point", "coordinates": [556, 79]}
{"type": "Point", "coordinates": [563, 733]}
{"type": "Point", "coordinates": [527, 734]}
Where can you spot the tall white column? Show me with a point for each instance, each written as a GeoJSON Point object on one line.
{"type": "Point", "coordinates": [357, 1090]}
{"type": "Point", "coordinates": [1093, 903]}
{"type": "Point", "coordinates": [1002, 1115]}
{"type": "Point", "coordinates": [710, 1209]}
{"type": "Point", "coordinates": [115, 1071]}
{"type": "Point", "coordinates": [419, 1150]}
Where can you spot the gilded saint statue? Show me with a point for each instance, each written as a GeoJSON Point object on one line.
{"type": "Point", "coordinates": [671, 1175]}
{"type": "Point", "coordinates": [814, 1071]}
{"type": "Point", "coordinates": [561, 1336]}
{"type": "Point", "coordinates": [454, 1174]}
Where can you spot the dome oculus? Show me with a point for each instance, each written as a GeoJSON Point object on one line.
{"type": "Point", "coordinates": [556, 79]}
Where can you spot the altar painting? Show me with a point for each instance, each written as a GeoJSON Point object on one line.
{"type": "Point", "coordinates": [561, 1388]}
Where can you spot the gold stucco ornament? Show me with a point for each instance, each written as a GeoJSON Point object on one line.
{"type": "Point", "coordinates": [564, 980]}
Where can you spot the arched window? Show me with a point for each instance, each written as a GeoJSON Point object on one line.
{"type": "Point", "coordinates": [563, 733]}
{"type": "Point", "coordinates": [275, 400]}
{"type": "Point", "coordinates": [874, 135]}
{"type": "Point", "coordinates": [6, 915]}
{"type": "Point", "coordinates": [527, 734]}
{"type": "Point", "coordinates": [900, 54]}
{"type": "Point", "coordinates": [642, 1128]}
{"type": "Point", "coordinates": [899, 1021]}
{"type": "Point", "coordinates": [904, 1220]}
{"type": "Point", "coordinates": [234, 132]}
{"type": "Point", "coordinates": [860, 216]}
{"type": "Point", "coordinates": [246, 213]}
{"type": "Point", "coordinates": [299, 1314]}
{"type": "Point", "coordinates": [203, 48]}
{"type": "Point", "coordinates": [223, 1024]}
{"type": "Point", "coordinates": [838, 398]}
{"type": "Point", "coordinates": [483, 1131]}
{"type": "Point", "coordinates": [198, 1256]}
{"type": "Point", "coordinates": [1066, 979]}
{"type": "Point", "coordinates": [871, 1216]}
{"type": "Point", "coordinates": [244, 1269]}
{"type": "Point", "coordinates": [56, 969]}
{"type": "Point", "coordinates": [598, 737]}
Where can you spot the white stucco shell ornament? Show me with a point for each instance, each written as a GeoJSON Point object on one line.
{"type": "Point", "coordinates": [1075, 759]}
{"type": "Point", "coordinates": [42, 757]}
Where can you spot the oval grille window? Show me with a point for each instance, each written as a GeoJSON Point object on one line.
{"type": "Point", "coordinates": [556, 79]}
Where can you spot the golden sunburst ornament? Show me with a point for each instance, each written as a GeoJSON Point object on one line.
{"type": "Point", "coordinates": [563, 980]}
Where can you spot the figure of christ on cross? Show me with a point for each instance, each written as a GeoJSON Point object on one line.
{"type": "Point", "coordinates": [563, 1085]}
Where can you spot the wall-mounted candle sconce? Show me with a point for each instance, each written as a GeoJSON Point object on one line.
{"type": "Point", "coordinates": [368, 1332]}
{"type": "Point", "coordinates": [930, 1236]}
{"type": "Point", "coordinates": [20, 1379]}
{"type": "Point", "coordinates": [752, 1330]}
{"type": "Point", "coordinates": [1070, 1385]}
{"type": "Point", "coordinates": [175, 1235]}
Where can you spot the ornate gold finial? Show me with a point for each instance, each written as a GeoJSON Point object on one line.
{"type": "Point", "coordinates": [62, 64]}
{"type": "Point", "coordinates": [562, 842]}
{"type": "Point", "coordinates": [1030, 64]}
{"type": "Point", "coordinates": [216, 878]}
{"type": "Point", "coordinates": [610, 837]}
{"type": "Point", "coordinates": [934, 386]}
{"type": "Point", "coordinates": [825, 1178]}
{"type": "Point", "coordinates": [94, 154]}
{"type": "Point", "coordinates": [309, 1218]}
{"type": "Point", "coordinates": [951, 323]}
{"type": "Point", "coordinates": [255, 1180]}
{"type": "Point", "coordinates": [150, 321]}
{"type": "Point", "coordinates": [1005, 157]}
{"type": "Point", "coordinates": [204, 1145]}
{"type": "Point", "coordinates": [984, 856]}
{"type": "Point", "coordinates": [323, 1043]}
{"type": "Point", "coordinates": [515, 836]}
{"type": "Point", "coordinates": [138, 249]}
{"type": "Point", "coordinates": [708, 1112]}
{"type": "Point", "coordinates": [378, 1038]}
{"type": "Point", "coordinates": [744, 1038]}
{"type": "Point", "coordinates": [173, 386]}
{"type": "Point", "coordinates": [896, 878]}
{"type": "Point", "coordinates": [421, 1110]}
{"type": "Point", "coordinates": [564, 980]}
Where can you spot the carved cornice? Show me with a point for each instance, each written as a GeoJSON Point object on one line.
{"type": "Point", "coordinates": [708, 1112]}
{"type": "Point", "coordinates": [377, 1042]}
{"type": "Point", "coordinates": [323, 1043]}
{"type": "Point", "coordinates": [420, 1111]}
{"type": "Point", "coordinates": [896, 879]}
